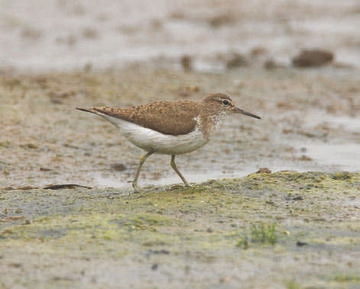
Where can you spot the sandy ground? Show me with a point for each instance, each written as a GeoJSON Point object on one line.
{"type": "Point", "coordinates": [310, 122]}
{"type": "Point", "coordinates": [219, 234]}
{"type": "Point", "coordinates": [297, 227]}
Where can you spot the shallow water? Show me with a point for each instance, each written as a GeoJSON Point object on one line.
{"type": "Point", "coordinates": [61, 35]}
{"type": "Point", "coordinates": [340, 156]}
{"type": "Point", "coordinates": [342, 153]}
{"type": "Point", "coordinates": [324, 157]}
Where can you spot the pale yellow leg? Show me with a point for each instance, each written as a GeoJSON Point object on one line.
{"type": "Point", "coordinates": [142, 161]}
{"type": "Point", "coordinates": [173, 165]}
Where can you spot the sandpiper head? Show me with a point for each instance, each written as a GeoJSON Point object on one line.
{"type": "Point", "coordinates": [222, 103]}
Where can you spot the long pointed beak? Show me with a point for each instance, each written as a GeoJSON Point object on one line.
{"type": "Point", "coordinates": [239, 110]}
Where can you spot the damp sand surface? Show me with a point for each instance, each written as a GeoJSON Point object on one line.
{"type": "Point", "coordinates": [297, 227]}
{"type": "Point", "coordinates": [310, 121]}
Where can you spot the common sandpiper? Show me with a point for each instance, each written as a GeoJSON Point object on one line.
{"type": "Point", "coordinates": [171, 128]}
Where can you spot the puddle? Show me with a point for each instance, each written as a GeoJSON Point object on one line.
{"type": "Point", "coordinates": [99, 180]}
{"type": "Point", "coordinates": [317, 117]}
{"type": "Point", "coordinates": [342, 153]}
{"type": "Point", "coordinates": [348, 123]}
{"type": "Point", "coordinates": [171, 179]}
{"type": "Point", "coordinates": [341, 156]}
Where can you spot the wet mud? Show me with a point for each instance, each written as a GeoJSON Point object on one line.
{"type": "Point", "coordinates": [266, 230]}
{"type": "Point", "coordinates": [67, 218]}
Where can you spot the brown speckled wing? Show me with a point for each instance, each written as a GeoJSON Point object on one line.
{"type": "Point", "coordinates": [165, 117]}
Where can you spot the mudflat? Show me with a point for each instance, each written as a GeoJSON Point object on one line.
{"type": "Point", "coordinates": [67, 218]}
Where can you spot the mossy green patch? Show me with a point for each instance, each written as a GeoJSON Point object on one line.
{"type": "Point", "coordinates": [292, 284]}
{"type": "Point", "coordinates": [279, 218]}
{"type": "Point", "coordinates": [347, 277]}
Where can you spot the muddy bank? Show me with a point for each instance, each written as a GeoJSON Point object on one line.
{"type": "Point", "coordinates": [276, 230]}
{"type": "Point", "coordinates": [279, 230]}
{"type": "Point", "coordinates": [308, 119]}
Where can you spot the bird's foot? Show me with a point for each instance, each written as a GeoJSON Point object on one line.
{"type": "Point", "coordinates": [136, 189]}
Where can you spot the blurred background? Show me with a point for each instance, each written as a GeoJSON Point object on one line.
{"type": "Point", "coordinates": [294, 63]}
{"type": "Point", "coordinates": [43, 35]}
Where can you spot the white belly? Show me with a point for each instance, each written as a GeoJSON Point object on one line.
{"type": "Point", "coordinates": [150, 140]}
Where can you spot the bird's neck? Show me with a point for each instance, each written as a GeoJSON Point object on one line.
{"type": "Point", "coordinates": [209, 122]}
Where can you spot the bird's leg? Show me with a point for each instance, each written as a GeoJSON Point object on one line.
{"type": "Point", "coordinates": [142, 161]}
{"type": "Point", "coordinates": [173, 165]}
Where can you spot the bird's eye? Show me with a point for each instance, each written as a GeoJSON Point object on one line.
{"type": "Point", "coordinates": [225, 102]}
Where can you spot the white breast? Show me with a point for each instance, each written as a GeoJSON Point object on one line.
{"type": "Point", "coordinates": [150, 140]}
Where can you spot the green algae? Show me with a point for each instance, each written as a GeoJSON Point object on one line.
{"type": "Point", "coordinates": [347, 277]}
{"type": "Point", "coordinates": [292, 284]}
{"type": "Point", "coordinates": [208, 223]}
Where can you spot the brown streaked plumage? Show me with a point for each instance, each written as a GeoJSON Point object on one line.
{"type": "Point", "coordinates": [169, 127]}
{"type": "Point", "coordinates": [160, 116]}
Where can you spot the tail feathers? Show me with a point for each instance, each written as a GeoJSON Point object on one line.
{"type": "Point", "coordinates": [99, 112]}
